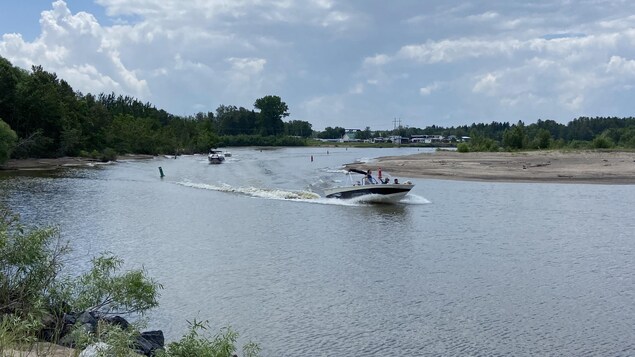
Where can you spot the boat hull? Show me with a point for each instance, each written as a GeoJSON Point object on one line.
{"type": "Point", "coordinates": [215, 159]}
{"type": "Point", "coordinates": [371, 193]}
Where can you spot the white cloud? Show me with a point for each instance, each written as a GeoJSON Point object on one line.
{"type": "Point", "coordinates": [455, 50]}
{"type": "Point", "coordinates": [486, 84]}
{"type": "Point", "coordinates": [250, 66]}
{"type": "Point", "coordinates": [572, 102]}
{"type": "Point", "coordinates": [427, 90]}
{"type": "Point", "coordinates": [358, 88]}
{"type": "Point", "coordinates": [77, 49]}
{"type": "Point", "coordinates": [377, 60]}
{"type": "Point", "coordinates": [361, 60]}
{"type": "Point", "coordinates": [486, 16]}
{"type": "Point", "coordinates": [335, 18]}
{"type": "Point", "coordinates": [621, 66]}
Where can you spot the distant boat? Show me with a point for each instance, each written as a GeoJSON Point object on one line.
{"type": "Point", "coordinates": [370, 189]}
{"type": "Point", "coordinates": [215, 156]}
{"type": "Point", "coordinates": [228, 154]}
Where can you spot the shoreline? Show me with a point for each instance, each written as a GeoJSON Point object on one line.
{"type": "Point", "coordinates": [596, 167]}
{"type": "Point", "coordinates": [584, 166]}
{"type": "Point", "coordinates": [48, 164]}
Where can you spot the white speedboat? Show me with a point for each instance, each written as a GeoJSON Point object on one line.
{"type": "Point", "coordinates": [215, 156]}
{"type": "Point", "coordinates": [369, 189]}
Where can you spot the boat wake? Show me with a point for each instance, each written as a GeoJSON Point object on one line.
{"type": "Point", "coordinates": [411, 199]}
{"type": "Point", "coordinates": [298, 196]}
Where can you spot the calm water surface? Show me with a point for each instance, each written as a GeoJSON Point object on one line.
{"type": "Point", "coordinates": [458, 268]}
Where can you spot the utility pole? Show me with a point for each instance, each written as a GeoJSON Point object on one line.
{"type": "Point", "coordinates": [394, 123]}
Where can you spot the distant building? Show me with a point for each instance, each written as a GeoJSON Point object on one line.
{"type": "Point", "coordinates": [426, 139]}
{"type": "Point", "coordinates": [351, 135]}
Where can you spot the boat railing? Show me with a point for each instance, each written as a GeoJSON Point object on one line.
{"type": "Point", "coordinates": [351, 181]}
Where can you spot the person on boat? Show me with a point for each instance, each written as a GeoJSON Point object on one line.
{"type": "Point", "coordinates": [386, 180]}
{"type": "Point", "coordinates": [369, 179]}
{"type": "Point", "coordinates": [396, 182]}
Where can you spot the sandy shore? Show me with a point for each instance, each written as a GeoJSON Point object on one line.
{"type": "Point", "coordinates": [604, 167]}
{"type": "Point", "coordinates": [534, 166]}
{"type": "Point", "coordinates": [61, 162]}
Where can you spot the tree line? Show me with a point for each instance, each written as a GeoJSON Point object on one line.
{"type": "Point", "coordinates": [42, 116]}
{"type": "Point", "coordinates": [580, 133]}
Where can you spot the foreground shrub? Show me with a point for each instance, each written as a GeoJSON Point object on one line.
{"type": "Point", "coordinates": [30, 261]}
{"type": "Point", "coordinates": [34, 298]}
{"type": "Point", "coordinates": [102, 290]}
{"type": "Point", "coordinates": [32, 290]}
{"type": "Point", "coordinates": [117, 341]}
{"type": "Point", "coordinates": [221, 345]}
{"type": "Point", "coordinates": [17, 331]}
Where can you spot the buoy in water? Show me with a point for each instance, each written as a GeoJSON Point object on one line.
{"type": "Point", "coordinates": [161, 172]}
{"type": "Point", "coordinates": [311, 158]}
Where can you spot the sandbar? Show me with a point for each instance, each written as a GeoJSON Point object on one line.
{"type": "Point", "coordinates": [599, 167]}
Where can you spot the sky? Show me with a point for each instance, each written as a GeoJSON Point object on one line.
{"type": "Point", "coordinates": [353, 64]}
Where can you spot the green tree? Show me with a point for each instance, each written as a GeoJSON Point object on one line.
{"type": "Point", "coordinates": [332, 133]}
{"type": "Point", "coordinates": [235, 121]}
{"type": "Point", "coordinates": [602, 142]}
{"type": "Point", "coordinates": [40, 108]}
{"type": "Point", "coordinates": [129, 134]}
{"type": "Point", "coordinates": [514, 138]}
{"type": "Point", "coordinates": [272, 110]}
{"type": "Point", "coordinates": [8, 139]}
{"type": "Point", "coordinates": [627, 137]}
{"type": "Point", "coordinates": [542, 139]}
{"type": "Point", "coordinates": [364, 134]}
{"type": "Point", "coordinates": [10, 77]}
{"type": "Point", "coordinates": [298, 128]}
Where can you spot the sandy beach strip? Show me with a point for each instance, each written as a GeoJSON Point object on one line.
{"type": "Point", "coordinates": [61, 162]}
{"type": "Point", "coordinates": [600, 167]}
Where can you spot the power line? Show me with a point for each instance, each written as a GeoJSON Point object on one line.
{"type": "Point", "coordinates": [394, 123]}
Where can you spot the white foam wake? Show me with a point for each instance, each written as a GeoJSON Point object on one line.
{"type": "Point", "coordinates": [268, 193]}
{"type": "Point", "coordinates": [411, 199]}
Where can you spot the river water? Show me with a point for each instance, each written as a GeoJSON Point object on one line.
{"type": "Point", "coordinates": [458, 268]}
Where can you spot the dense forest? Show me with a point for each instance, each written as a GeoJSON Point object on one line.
{"type": "Point", "coordinates": [42, 116]}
